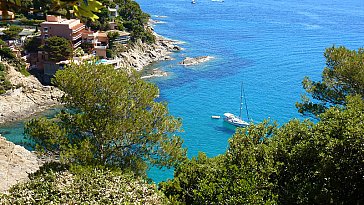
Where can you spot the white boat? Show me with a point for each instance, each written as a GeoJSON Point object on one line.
{"type": "Point", "coordinates": [236, 120]}
{"type": "Point", "coordinates": [193, 2]}
{"type": "Point", "coordinates": [215, 117]}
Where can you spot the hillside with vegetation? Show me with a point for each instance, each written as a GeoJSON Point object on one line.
{"type": "Point", "coordinates": [59, 184]}
{"type": "Point", "coordinates": [112, 128]}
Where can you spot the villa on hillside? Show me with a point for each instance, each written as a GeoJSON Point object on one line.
{"type": "Point", "coordinates": [76, 32]}
{"type": "Point", "coordinates": [70, 29]}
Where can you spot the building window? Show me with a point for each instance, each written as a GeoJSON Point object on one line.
{"type": "Point", "coordinates": [45, 36]}
{"type": "Point", "coordinates": [45, 29]}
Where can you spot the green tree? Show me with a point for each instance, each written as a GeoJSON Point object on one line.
{"type": "Point", "coordinates": [81, 8]}
{"type": "Point", "coordinates": [342, 76]}
{"type": "Point", "coordinates": [112, 119]}
{"type": "Point", "coordinates": [323, 163]}
{"type": "Point", "coordinates": [78, 52]}
{"type": "Point", "coordinates": [33, 45]}
{"type": "Point", "coordinates": [245, 174]}
{"type": "Point", "coordinates": [5, 51]}
{"type": "Point", "coordinates": [298, 163]}
{"type": "Point", "coordinates": [58, 48]}
{"type": "Point", "coordinates": [4, 82]}
{"type": "Point", "coordinates": [12, 32]}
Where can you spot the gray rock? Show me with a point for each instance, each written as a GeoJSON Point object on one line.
{"type": "Point", "coordinates": [194, 61]}
{"type": "Point", "coordinates": [15, 164]}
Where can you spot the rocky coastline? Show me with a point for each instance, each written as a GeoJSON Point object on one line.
{"type": "Point", "coordinates": [141, 54]}
{"type": "Point", "coordinates": [15, 164]}
{"type": "Point", "coordinates": [30, 96]}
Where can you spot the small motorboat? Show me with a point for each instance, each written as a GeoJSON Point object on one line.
{"type": "Point", "coordinates": [215, 117]}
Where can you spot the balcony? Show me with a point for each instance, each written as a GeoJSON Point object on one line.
{"type": "Point", "coordinates": [76, 44]}
{"type": "Point", "coordinates": [100, 47]}
{"type": "Point", "coordinates": [78, 28]}
{"type": "Point", "coordinates": [76, 36]}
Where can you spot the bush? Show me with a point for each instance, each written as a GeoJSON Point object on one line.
{"type": "Point", "coordinates": [57, 183]}
{"type": "Point", "coordinates": [23, 70]}
{"type": "Point", "coordinates": [30, 22]}
{"type": "Point", "coordinates": [297, 163]}
{"type": "Point", "coordinates": [4, 83]}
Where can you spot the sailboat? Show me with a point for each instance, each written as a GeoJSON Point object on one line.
{"type": "Point", "coordinates": [236, 120]}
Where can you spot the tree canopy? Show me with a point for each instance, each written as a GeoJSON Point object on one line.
{"type": "Point", "coordinates": [298, 163]}
{"type": "Point", "coordinates": [81, 8]}
{"type": "Point", "coordinates": [33, 44]}
{"type": "Point", "coordinates": [12, 32]}
{"type": "Point", "coordinates": [342, 76]}
{"type": "Point", "coordinates": [58, 48]}
{"type": "Point", "coordinates": [112, 118]}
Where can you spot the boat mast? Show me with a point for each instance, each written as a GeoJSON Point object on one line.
{"type": "Point", "coordinates": [241, 99]}
{"type": "Point", "coordinates": [242, 94]}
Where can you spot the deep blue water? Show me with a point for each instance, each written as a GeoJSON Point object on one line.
{"type": "Point", "coordinates": [270, 45]}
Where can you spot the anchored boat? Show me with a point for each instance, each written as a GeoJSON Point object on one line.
{"type": "Point", "coordinates": [237, 120]}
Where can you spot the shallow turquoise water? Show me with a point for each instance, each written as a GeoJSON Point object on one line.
{"type": "Point", "coordinates": [270, 45]}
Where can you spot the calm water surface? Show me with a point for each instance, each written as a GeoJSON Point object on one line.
{"type": "Point", "coordinates": [270, 45]}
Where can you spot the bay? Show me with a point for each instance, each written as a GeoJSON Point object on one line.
{"type": "Point", "coordinates": [270, 45]}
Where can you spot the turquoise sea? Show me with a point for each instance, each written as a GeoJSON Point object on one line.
{"type": "Point", "coordinates": [270, 45]}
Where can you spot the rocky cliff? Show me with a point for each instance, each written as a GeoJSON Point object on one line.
{"type": "Point", "coordinates": [142, 54]}
{"type": "Point", "coordinates": [15, 164]}
{"type": "Point", "coordinates": [29, 97]}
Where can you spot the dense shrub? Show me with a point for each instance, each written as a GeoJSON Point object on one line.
{"type": "Point", "coordinates": [61, 184]}
{"type": "Point", "coordinates": [4, 83]}
{"type": "Point", "coordinates": [298, 163]}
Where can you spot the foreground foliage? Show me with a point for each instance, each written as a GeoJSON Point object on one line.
{"type": "Point", "coordinates": [4, 82]}
{"type": "Point", "coordinates": [112, 118]}
{"type": "Point", "coordinates": [342, 76]}
{"type": "Point", "coordinates": [60, 184]}
{"type": "Point", "coordinates": [81, 8]}
{"type": "Point", "coordinates": [298, 163]}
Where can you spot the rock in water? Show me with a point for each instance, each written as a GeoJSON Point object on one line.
{"type": "Point", "coordinates": [194, 61]}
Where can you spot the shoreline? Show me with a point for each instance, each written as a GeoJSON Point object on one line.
{"type": "Point", "coordinates": [28, 98]}
{"type": "Point", "coordinates": [31, 97]}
